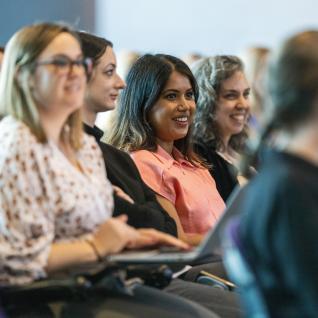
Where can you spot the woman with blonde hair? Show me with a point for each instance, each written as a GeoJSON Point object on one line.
{"type": "Point", "coordinates": [56, 202]}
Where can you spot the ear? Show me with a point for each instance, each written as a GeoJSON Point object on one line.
{"type": "Point", "coordinates": [23, 77]}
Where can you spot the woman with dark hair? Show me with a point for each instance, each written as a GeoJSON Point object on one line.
{"type": "Point", "coordinates": [220, 124]}
{"type": "Point", "coordinates": [102, 91]}
{"type": "Point", "coordinates": [144, 211]}
{"type": "Point", "coordinates": [154, 123]}
{"type": "Point", "coordinates": [279, 225]}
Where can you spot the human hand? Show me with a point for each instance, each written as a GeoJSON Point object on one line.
{"type": "Point", "coordinates": [149, 237]}
{"type": "Point", "coordinates": [122, 194]}
{"type": "Point", "coordinates": [113, 235]}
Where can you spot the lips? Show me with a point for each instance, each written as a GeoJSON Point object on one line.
{"type": "Point", "coordinates": [114, 96]}
{"type": "Point", "coordinates": [181, 119]}
{"type": "Point", "coordinates": [239, 117]}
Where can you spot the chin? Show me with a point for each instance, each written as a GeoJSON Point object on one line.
{"type": "Point", "coordinates": [106, 108]}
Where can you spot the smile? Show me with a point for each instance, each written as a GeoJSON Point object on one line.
{"type": "Point", "coordinates": [181, 119]}
{"type": "Point", "coordinates": [239, 117]}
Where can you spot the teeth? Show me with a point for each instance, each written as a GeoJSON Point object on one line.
{"type": "Point", "coordinates": [182, 119]}
{"type": "Point", "coordinates": [238, 117]}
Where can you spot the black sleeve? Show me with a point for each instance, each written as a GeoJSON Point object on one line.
{"type": "Point", "coordinates": [146, 212]}
{"type": "Point", "coordinates": [147, 215]}
{"type": "Point", "coordinates": [297, 232]}
{"type": "Point", "coordinates": [279, 232]}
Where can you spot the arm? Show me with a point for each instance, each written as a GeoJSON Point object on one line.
{"type": "Point", "coordinates": [192, 239]}
{"type": "Point", "coordinates": [146, 212]}
{"type": "Point", "coordinates": [111, 237]}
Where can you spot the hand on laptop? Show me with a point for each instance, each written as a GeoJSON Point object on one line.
{"type": "Point", "coordinates": [114, 235]}
{"type": "Point", "coordinates": [150, 237]}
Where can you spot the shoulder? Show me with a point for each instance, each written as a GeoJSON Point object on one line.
{"type": "Point", "coordinates": [142, 155]}
{"type": "Point", "coordinates": [206, 151]}
{"type": "Point", "coordinates": [16, 141]}
{"type": "Point", "coordinates": [148, 163]}
{"type": "Point", "coordinates": [13, 130]}
{"type": "Point", "coordinates": [112, 152]}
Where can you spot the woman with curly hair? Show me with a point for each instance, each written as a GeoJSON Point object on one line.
{"type": "Point", "coordinates": [220, 125]}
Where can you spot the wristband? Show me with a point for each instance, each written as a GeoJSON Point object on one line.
{"type": "Point", "coordinates": [91, 243]}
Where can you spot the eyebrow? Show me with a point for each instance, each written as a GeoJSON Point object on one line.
{"type": "Point", "coordinates": [175, 90]}
{"type": "Point", "coordinates": [234, 90]}
{"type": "Point", "coordinates": [110, 64]}
{"type": "Point", "coordinates": [65, 55]}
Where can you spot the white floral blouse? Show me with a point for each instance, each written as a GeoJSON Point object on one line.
{"type": "Point", "coordinates": [45, 199]}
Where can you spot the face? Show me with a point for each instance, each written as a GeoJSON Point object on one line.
{"type": "Point", "coordinates": [104, 85]}
{"type": "Point", "coordinates": [172, 114]}
{"type": "Point", "coordinates": [233, 105]}
{"type": "Point", "coordinates": [56, 89]}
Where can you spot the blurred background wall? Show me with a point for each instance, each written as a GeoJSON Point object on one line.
{"type": "Point", "coordinates": [171, 26]}
{"type": "Point", "coordinates": [16, 13]}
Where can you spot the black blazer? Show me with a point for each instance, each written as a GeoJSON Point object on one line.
{"type": "Point", "coordinates": [121, 171]}
{"type": "Point", "coordinates": [224, 173]}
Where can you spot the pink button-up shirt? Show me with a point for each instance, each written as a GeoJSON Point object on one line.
{"type": "Point", "coordinates": [190, 189]}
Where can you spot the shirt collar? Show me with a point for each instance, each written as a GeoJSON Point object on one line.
{"type": "Point", "coordinates": [169, 160]}
{"type": "Point", "coordinates": [94, 131]}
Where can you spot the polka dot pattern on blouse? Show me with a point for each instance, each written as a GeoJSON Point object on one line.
{"type": "Point", "coordinates": [45, 199]}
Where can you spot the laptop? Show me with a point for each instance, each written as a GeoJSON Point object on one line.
{"type": "Point", "coordinates": [208, 250]}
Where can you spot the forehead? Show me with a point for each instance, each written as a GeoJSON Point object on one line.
{"type": "Point", "coordinates": [237, 81]}
{"type": "Point", "coordinates": [178, 81]}
{"type": "Point", "coordinates": [108, 57]}
{"type": "Point", "coordinates": [64, 43]}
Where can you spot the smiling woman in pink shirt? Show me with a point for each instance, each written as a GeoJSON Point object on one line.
{"type": "Point", "coordinates": [153, 122]}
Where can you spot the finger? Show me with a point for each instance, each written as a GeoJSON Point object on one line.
{"type": "Point", "coordinates": [141, 241]}
{"type": "Point", "coordinates": [127, 198]}
{"type": "Point", "coordinates": [164, 239]}
{"type": "Point", "coordinates": [122, 218]}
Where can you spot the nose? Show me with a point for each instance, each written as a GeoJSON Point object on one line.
{"type": "Point", "coordinates": [76, 69]}
{"type": "Point", "coordinates": [244, 102]}
{"type": "Point", "coordinates": [120, 83]}
{"type": "Point", "coordinates": [183, 104]}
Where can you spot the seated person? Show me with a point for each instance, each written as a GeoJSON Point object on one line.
{"type": "Point", "coordinates": [280, 220]}
{"type": "Point", "coordinates": [103, 87]}
{"type": "Point", "coordinates": [102, 90]}
{"type": "Point", "coordinates": [56, 202]}
{"type": "Point", "coordinates": [153, 121]}
{"type": "Point", "coordinates": [220, 124]}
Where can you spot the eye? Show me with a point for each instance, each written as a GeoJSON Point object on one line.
{"type": "Point", "coordinates": [171, 96]}
{"type": "Point", "coordinates": [230, 96]}
{"type": "Point", "coordinates": [190, 95]}
{"type": "Point", "coordinates": [246, 95]}
{"type": "Point", "coordinates": [109, 72]}
{"type": "Point", "coordinates": [61, 62]}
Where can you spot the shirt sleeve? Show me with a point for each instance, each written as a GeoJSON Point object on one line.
{"type": "Point", "coordinates": [155, 175]}
{"type": "Point", "coordinates": [298, 232]}
{"type": "Point", "coordinates": [26, 226]}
